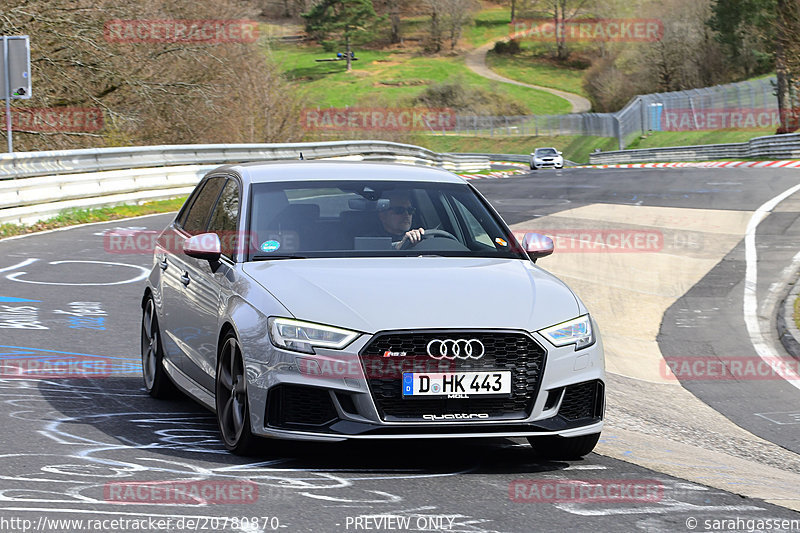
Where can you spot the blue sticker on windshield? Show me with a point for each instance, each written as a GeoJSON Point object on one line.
{"type": "Point", "coordinates": [270, 246]}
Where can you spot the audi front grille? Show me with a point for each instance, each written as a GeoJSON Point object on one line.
{"type": "Point", "coordinates": [503, 350]}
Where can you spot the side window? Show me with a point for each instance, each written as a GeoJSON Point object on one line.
{"type": "Point", "coordinates": [225, 216]}
{"type": "Point", "coordinates": [181, 218]}
{"type": "Point", "coordinates": [476, 230]}
{"type": "Point", "coordinates": [197, 216]}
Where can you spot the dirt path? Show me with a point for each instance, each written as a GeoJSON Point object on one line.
{"type": "Point", "coordinates": [476, 62]}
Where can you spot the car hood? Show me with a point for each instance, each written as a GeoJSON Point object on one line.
{"type": "Point", "coordinates": [375, 294]}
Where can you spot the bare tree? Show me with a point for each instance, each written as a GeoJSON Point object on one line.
{"type": "Point", "coordinates": [448, 18]}
{"type": "Point", "coordinates": [686, 57]}
{"type": "Point", "coordinates": [392, 8]}
{"type": "Point", "coordinates": [561, 12]}
{"type": "Point", "coordinates": [787, 63]}
{"type": "Point", "coordinates": [154, 91]}
{"type": "Point", "coordinates": [435, 8]}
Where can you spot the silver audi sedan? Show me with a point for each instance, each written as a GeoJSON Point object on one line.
{"type": "Point", "coordinates": [339, 300]}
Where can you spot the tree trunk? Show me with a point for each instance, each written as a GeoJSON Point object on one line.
{"type": "Point", "coordinates": [782, 73]}
{"type": "Point", "coordinates": [786, 63]}
{"type": "Point", "coordinates": [436, 32]}
{"type": "Point", "coordinates": [513, 9]}
{"type": "Point", "coordinates": [347, 50]}
{"type": "Point", "coordinates": [394, 19]}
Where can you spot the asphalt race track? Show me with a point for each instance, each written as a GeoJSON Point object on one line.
{"type": "Point", "coordinates": [710, 453]}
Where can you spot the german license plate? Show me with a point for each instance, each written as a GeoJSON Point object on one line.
{"type": "Point", "coordinates": [456, 384]}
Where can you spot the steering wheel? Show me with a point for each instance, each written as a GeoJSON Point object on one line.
{"type": "Point", "coordinates": [429, 234]}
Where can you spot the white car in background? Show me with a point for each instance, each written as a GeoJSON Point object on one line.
{"type": "Point", "coordinates": [546, 158]}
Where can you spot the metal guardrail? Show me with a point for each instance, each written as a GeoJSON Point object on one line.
{"type": "Point", "coordinates": [37, 185]}
{"type": "Point", "coordinates": [767, 147]}
{"type": "Point", "coordinates": [27, 164]}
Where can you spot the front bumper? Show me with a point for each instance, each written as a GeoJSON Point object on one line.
{"type": "Point", "coordinates": [547, 163]}
{"type": "Point", "coordinates": [336, 400]}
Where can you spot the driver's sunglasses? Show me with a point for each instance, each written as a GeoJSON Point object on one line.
{"type": "Point", "coordinates": [401, 210]}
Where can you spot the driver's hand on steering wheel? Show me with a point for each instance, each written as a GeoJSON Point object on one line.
{"type": "Point", "coordinates": [412, 236]}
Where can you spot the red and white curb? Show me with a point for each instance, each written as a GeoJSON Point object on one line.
{"type": "Point", "coordinates": [794, 163]}
{"type": "Point", "coordinates": [492, 175]}
{"type": "Point", "coordinates": [500, 173]}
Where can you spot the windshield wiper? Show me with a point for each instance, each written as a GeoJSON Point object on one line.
{"type": "Point", "coordinates": [267, 257]}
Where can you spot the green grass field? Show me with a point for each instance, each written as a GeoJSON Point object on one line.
{"type": "Point", "coordinates": [527, 67]}
{"type": "Point", "coordinates": [384, 79]}
{"type": "Point", "coordinates": [489, 25]}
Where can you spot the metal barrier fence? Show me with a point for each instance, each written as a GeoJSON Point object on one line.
{"type": "Point", "coordinates": [26, 164]}
{"type": "Point", "coordinates": [767, 147]}
{"type": "Point", "coordinates": [37, 185]}
{"type": "Point", "coordinates": [748, 104]}
{"type": "Point", "coordinates": [597, 124]}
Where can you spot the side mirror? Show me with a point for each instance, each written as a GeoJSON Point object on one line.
{"type": "Point", "coordinates": [537, 245]}
{"type": "Point", "coordinates": [560, 153]}
{"type": "Point", "coordinates": [204, 246]}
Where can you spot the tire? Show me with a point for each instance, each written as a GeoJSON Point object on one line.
{"type": "Point", "coordinates": [563, 447]}
{"type": "Point", "coordinates": [233, 412]}
{"type": "Point", "coordinates": [156, 381]}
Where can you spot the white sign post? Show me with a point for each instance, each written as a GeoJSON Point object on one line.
{"type": "Point", "coordinates": [15, 74]}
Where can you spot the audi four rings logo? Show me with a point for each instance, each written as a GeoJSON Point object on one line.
{"type": "Point", "coordinates": [455, 349]}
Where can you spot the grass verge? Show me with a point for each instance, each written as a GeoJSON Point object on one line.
{"type": "Point", "coordinates": [686, 138]}
{"type": "Point", "coordinates": [797, 312]}
{"type": "Point", "coordinates": [72, 217]}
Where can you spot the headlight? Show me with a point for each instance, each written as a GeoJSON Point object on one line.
{"type": "Point", "coordinates": [577, 331]}
{"type": "Point", "coordinates": [304, 336]}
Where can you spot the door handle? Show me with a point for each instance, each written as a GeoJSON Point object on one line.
{"type": "Point", "coordinates": [163, 264]}
{"type": "Point", "coordinates": [185, 278]}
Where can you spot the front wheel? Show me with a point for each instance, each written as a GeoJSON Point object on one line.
{"type": "Point", "coordinates": [556, 447]}
{"type": "Point", "coordinates": [233, 413]}
{"type": "Point", "coordinates": [156, 380]}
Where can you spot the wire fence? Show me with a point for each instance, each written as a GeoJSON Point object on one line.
{"type": "Point", "coordinates": [749, 104]}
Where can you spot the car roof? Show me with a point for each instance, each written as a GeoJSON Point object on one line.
{"type": "Point", "coordinates": [277, 171]}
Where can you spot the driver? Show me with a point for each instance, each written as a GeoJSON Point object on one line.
{"type": "Point", "coordinates": [395, 216]}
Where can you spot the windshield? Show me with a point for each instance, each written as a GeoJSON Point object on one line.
{"type": "Point", "coordinates": [368, 219]}
{"type": "Point", "coordinates": [546, 151]}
